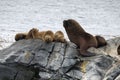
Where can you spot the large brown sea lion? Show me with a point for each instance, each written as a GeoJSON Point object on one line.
{"type": "Point", "coordinates": [80, 37]}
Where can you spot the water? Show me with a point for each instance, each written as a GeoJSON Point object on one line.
{"type": "Point", "coordinates": [98, 17]}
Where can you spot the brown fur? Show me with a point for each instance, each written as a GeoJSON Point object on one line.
{"type": "Point", "coordinates": [35, 34]}
{"type": "Point", "coordinates": [100, 41]}
{"type": "Point", "coordinates": [20, 36]}
{"type": "Point", "coordinates": [32, 34]}
{"type": "Point", "coordinates": [80, 37]}
{"type": "Point", "coordinates": [41, 34]}
{"type": "Point", "coordinates": [59, 37]}
{"type": "Point", "coordinates": [48, 36]}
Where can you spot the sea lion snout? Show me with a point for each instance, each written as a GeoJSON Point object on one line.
{"type": "Point", "coordinates": [65, 23]}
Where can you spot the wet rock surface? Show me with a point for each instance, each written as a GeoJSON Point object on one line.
{"type": "Point", "coordinates": [36, 60]}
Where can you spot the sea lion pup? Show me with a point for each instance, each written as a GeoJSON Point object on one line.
{"type": "Point", "coordinates": [59, 37]}
{"type": "Point", "coordinates": [30, 35]}
{"type": "Point", "coordinates": [20, 36]}
{"type": "Point", "coordinates": [100, 41]}
{"type": "Point", "coordinates": [35, 34]}
{"type": "Point", "coordinates": [48, 36]}
{"type": "Point", "coordinates": [80, 37]}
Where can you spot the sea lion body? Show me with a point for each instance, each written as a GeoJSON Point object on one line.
{"type": "Point", "coordinates": [80, 37]}
{"type": "Point", "coordinates": [48, 36]}
{"type": "Point", "coordinates": [59, 37]}
{"type": "Point", "coordinates": [33, 34]}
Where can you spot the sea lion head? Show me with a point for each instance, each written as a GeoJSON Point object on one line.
{"type": "Point", "coordinates": [70, 23]}
{"type": "Point", "coordinates": [73, 25]}
{"type": "Point", "coordinates": [20, 36]}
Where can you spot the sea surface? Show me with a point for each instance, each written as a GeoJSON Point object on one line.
{"type": "Point", "coordinates": [98, 17]}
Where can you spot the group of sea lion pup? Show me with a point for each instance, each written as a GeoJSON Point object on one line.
{"type": "Point", "coordinates": [47, 36]}
{"type": "Point", "coordinates": [75, 32]}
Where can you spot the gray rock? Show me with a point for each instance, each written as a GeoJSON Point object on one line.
{"type": "Point", "coordinates": [45, 75]}
{"type": "Point", "coordinates": [36, 60]}
{"type": "Point", "coordinates": [75, 74]}
{"type": "Point", "coordinates": [113, 73]}
{"type": "Point", "coordinates": [15, 71]}
{"type": "Point", "coordinates": [55, 61]}
{"type": "Point", "coordinates": [7, 73]}
{"type": "Point", "coordinates": [109, 49]}
{"type": "Point", "coordinates": [118, 77]}
{"type": "Point", "coordinates": [41, 58]}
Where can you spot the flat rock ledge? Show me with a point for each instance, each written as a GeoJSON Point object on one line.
{"type": "Point", "coordinates": [36, 60]}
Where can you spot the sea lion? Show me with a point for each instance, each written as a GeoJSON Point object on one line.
{"type": "Point", "coordinates": [59, 37]}
{"type": "Point", "coordinates": [118, 50]}
{"type": "Point", "coordinates": [80, 37]}
{"type": "Point", "coordinates": [35, 34]}
{"type": "Point", "coordinates": [100, 41]}
{"type": "Point", "coordinates": [20, 36]}
{"type": "Point", "coordinates": [48, 36]}
{"type": "Point", "coordinates": [32, 34]}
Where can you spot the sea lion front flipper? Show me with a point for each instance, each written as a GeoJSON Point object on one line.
{"type": "Point", "coordinates": [83, 50]}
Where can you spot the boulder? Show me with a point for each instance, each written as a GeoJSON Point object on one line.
{"type": "Point", "coordinates": [34, 59]}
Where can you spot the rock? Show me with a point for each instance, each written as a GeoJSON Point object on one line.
{"type": "Point", "coordinates": [112, 48]}
{"type": "Point", "coordinates": [36, 60]}
{"type": "Point", "coordinates": [113, 73]}
{"type": "Point", "coordinates": [15, 71]}
{"type": "Point", "coordinates": [96, 68]}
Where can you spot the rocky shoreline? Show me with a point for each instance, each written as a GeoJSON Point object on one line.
{"type": "Point", "coordinates": [34, 59]}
